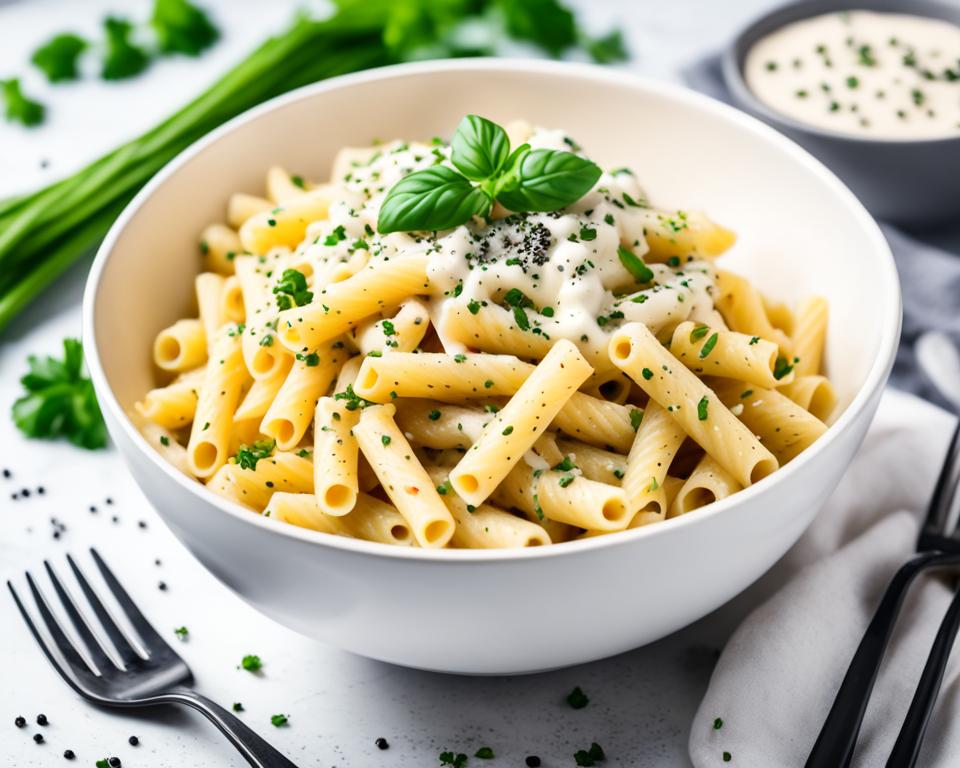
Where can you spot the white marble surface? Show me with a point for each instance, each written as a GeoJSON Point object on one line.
{"type": "Point", "coordinates": [642, 702]}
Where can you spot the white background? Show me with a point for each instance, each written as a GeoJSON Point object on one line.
{"type": "Point", "coordinates": [642, 703]}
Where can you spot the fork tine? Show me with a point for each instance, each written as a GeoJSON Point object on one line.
{"type": "Point", "coordinates": [82, 672]}
{"type": "Point", "coordinates": [96, 650]}
{"type": "Point", "coordinates": [116, 635]}
{"type": "Point", "coordinates": [66, 648]}
{"type": "Point", "coordinates": [151, 638]}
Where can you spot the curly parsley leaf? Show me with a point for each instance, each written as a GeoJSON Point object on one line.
{"type": "Point", "coordinates": [19, 108]}
{"type": "Point", "coordinates": [292, 289]}
{"type": "Point", "coordinates": [122, 58]}
{"type": "Point", "coordinates": [60, 400]}
{"type": "Point", "coordinates": [249, 455]}
{"type": "Point", "coordinates": [58, 57]}
{"type": "Point", "coordinates": [181, 27]}
{"type": "Point", "coordinates": [607, 49]}
{"type": "Point", "coordinates": [546, 23]}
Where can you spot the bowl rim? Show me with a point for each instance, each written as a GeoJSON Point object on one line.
{"type": "Point", "coordinates": [889, 296]}
{"type": "Point", "coordinates": [771, 20]}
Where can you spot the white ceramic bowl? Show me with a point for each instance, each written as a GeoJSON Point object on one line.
{"type": "Point", "coordinates": [801, 231]}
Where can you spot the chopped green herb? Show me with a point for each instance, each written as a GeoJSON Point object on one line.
{"type": "Point", "coordinates": [338, 235]}
{"type": "Point", "coordinates": [507, 430]}
{"type": "Point", "coordinates": [458, 760]}
{"type": "Point", "coordinates": [249, 455]}
{"type": "Point", "coordinates": [702, 408]}
{"type": "Point", "coordinates": [181, 27]}
{"type": "Point", "coordinates": [237, 707]}
{"type": "Point", "coordinates": [251, 663]}
{"type": "Point", "coordinates": [708, 346]}
{"type": "Point", "coordinates": [352, 399]}
{"type": "Point", "coordinates": [122, 58]}
{"type": "Point", "coordinates": [473, 306]}
{"type": "Point", "coordinates": [590, 757]}
{"type": "Point", "coordinates": [699, 332]}
{"type": "Point", "coordinates": [717, 723]}
{"type": "Point", "coordinates": [754, 340]}
{"type": "Point", "coordinates": [58, 57]}
{"type": "Point", "coordinates": [488, 383]}
{"type": "Point", "coordinates": [577, 699]}
{"type": "Point", "coordinates": [292, 289]}
{"type": "Point", "coordinates": [267, 341]}
{"type": "Point", "coordinates": [781, 368]}
{"type": "Point", "coordinates": [385, 439]}
{"type": "Point", "coordinates": [18, 108]}
{"type": "Point", "coordinates": [484, 753]}
{"type": "Point", "coordinates": [745, 394]}
{"type": "Point", "coordinates": [444, 488]}
{"type": "Point", "coordinates": [164, 441]}
{"type": "Point", "coordinates": [433, 415]}
{"type": "Point", "coordinates": [634, 265]}
{"type": "Point", "coordinates": [459, 358]}
{"type": "Point", "coordinates": [564, 466]}
{"type": "Point", "coordinates": [566, 480]}
{"type": "Point", "coordinates": [636, 416]}
{"type": "Point", "coordinates": [181, 632]}
{"type": "Point", "coordinates": [310, 359]}
{"type": "Point", "coordinates": [278, 721]}
{"type": "Point", "coordinates": [588, 233]}
{"type": "Point", "coordinates": [727, 757]}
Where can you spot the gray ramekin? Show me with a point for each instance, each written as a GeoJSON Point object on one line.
{"type": "Point", "coordinates": [908, 182]}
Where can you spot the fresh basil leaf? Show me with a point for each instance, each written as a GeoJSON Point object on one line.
{"type": "Point", "coordinates": [431, 199]}
{"type": "Point", "coordinates": [548, 180]}
{"type": "Point", "coordinates": [479, 148]}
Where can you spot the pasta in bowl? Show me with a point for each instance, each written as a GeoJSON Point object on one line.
{"type": "Point", "coordinates": [520, 379]}
{"type": "Point", "coordinates": [399, 381]}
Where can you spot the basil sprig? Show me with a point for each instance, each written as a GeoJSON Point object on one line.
{"type": "Point", "coordinates": [522, 180]}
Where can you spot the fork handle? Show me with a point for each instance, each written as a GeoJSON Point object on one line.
{"type": "Point", "coordinates": [254, 749]}
{"type": "Point", "coordinates": [838, 737]}
{"type": "Point", "coordinates": [906, 750]}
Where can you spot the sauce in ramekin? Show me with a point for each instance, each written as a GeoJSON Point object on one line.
{"type": "Point", "coordinates": [878, 75]}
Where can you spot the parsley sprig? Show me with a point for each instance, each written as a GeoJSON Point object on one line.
{"type": "Point", "coordinates": [60, 400]}
{"type": "Point", "coordinates": [487, 170]}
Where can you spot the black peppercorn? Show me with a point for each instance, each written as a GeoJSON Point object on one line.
{"type": "Point", "coordinates": [162, 586]}
{"type": "Point", "coordinates": [382, 743]}
{"type": "Point", "coordinates": [20, 722]}
{"type": "Point", "coordinates": [7, 474]}
{"type": "Point", "coordinates": [533, 761]}
{"type": "Point", "coordinates": [41, 490]}
{"type": "Point", "coordinates": [114, 762]}
{"type": "Point", "coordinates": [134, 741]}
{"type": "Point", "coordinates": [68, 754]}
{"type": "Point", "coordinates": [42, 719]}
{"type": "Point", "coordinates": [38, 737]}
{"type": "Point", "coordinates": [25, 492]}
{"type": "Point", "coordinates": [93, 509]}
{"type": "Point", "coordinates": [108, 500]}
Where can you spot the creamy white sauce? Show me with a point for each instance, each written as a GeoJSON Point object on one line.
{"type": "Point", "coordinates": [884, 75]}
{"type": "Point", "coordinates": [565, 263]}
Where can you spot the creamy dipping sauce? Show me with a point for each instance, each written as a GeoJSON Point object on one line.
{"type": "Point", "coordinates": [879, 75]}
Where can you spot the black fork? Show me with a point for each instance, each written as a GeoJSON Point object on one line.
{"type": "Point", "coordinates": [938, 546]}
{"type": "Point", "coordinates": [160, 677]}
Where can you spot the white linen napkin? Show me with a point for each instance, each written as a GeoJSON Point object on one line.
{"type": "Point", "coordinates": [778, 674]}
